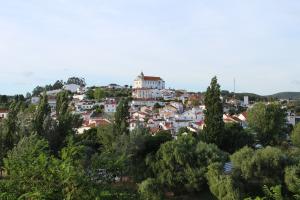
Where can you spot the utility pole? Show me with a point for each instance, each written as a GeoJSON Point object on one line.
{"type": "Point", "coordinates": [234, 88]}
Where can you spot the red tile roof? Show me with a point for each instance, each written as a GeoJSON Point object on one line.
{"type": "Point", "coordinates": [245, 114]}
{"type": "Point", "coordinates": [151, 78]}
{"type": "Point", "coordinates": [199, 123]}
{"type": "Point", "coordinates": [154, 130]}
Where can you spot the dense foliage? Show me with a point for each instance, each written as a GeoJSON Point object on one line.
{"type": "Point", "coordinates": [268, 121]}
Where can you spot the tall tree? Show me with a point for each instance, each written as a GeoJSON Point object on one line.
{"type": "Point", "coordinates": [58, 85]}
{"type": "Point", "coordinates": [66, 122]}
{"type": "Point", "coordinates": [214, 125]}
{"type": "Point", "coordinates": [122, 117]}
{"type": "Point", "coordinates": [9, 129]}
{"type": "Point", "coordinates": [43, 110]}
{"type": "Point", "coordinates": [10, 125]}
{"type": "Point", "coordinates": [296, 135]}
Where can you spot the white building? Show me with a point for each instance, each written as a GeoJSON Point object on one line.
{"type": "Point", "coordinates": [145, 102]}
{"type": "Point", "coordinates": [110, 106]}
{"type": "Point", "coordinates": [292, 118]}
{"type": "Point", "coordinates": [52, 102]}
{"type": "Point", "coordinates": [84, 105]}
{"type": "Point", "coordinates": [79, 97]}
{"type": "Point", "coordinates": [3, 113]}
{"type": "Point", "coordinates": [195, 115]}
{"type": "Point", "coordinates": [72, 87]}
{"type": "Point", "coordinates": [148, 87]}
{"type": "Point", "coordinates": [149, 82]}
{"type": "Point", "coordinates": [35, 100]}
{"type": "Point", "coordinates": [52, 92]}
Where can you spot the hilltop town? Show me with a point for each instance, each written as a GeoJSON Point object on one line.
{"type": "Point", "coordinates": [152, 105]}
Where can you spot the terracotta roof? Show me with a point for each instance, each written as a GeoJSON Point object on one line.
{"type": "Point", "coordinates": [168, 125]}
{"type": "Point", "coordinates": [151, 78]}
{"type": "Point", "coordinates": [200, 123]}
{"type": "Point", "coordinates": [154, 130]}
{"type": "Point", "coordinates": [245, 114]}
{"type": "Point", "coordinates": [99, 122]}
{"type": "Point", "coordinates": [4, 110]}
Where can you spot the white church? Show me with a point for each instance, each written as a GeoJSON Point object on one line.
{"type": "Point", "coordinates": [147, 87]}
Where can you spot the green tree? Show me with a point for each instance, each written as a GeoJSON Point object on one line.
{"type": "Point", "coordinates": [90, 94]}
{"type": "Point", "coordinates": [296, 135]}
{"type": "Point", "coordinates": [59, 84]}
{"type": "Point", "coordinates": [214, 125]}
{"type": "Point", "coordinates": [272, 193]}
{"type": "Point", "coordinates": [99, 94]}
{"type": "Point", "coordinates": [180, 165]}
{"type": "Point", "coordinates": [66, 122]}
{"type": "Point", "coordinates": [254, 169]}
{"type": "Point", "coordinates": [150, 189]}
{"type": "Point", "coordinates": [37, 91]}
{"type": "Point", "coordinates": [29, 168]}
{"type": "Point", "coordinates": [43, 111]}
{"type": "Point", "coordinates": [3, 99]}
{"type": "Point", "coordinates": [77, 81]}
{"type": "Point", "coordinates": [235, 137]}
{"type": "Point", "coordinates": [292, 179]}
{"type": "Point", "coordinates": [34, 174]}
{"type": "Point", "coordinates": [9, 127]}
{"type": "Point", "coordinates": [222, 186]}
{"type": "Point", "coordinates": [268, 121]}
{"type": "Point", "coordinates": [122, 117]}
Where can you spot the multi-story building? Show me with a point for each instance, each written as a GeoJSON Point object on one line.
{"type": "Point", "coordinates": [148, 87]}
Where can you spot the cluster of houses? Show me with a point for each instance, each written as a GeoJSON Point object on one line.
{"type": "Point", "coordinates": [94, 113]}
{"type": "Point", "coordinates": [152, 106]}
{"type": "Point", "coordinates": [157, 108]}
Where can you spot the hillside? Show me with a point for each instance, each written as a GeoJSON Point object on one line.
{"type": "Point", "coordinates": [286, 95]}
{"type": "Point", "coordinates": [256, 97]}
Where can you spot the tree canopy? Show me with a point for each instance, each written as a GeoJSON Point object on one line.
{"type": "Point", "coordinates": [268, 121]}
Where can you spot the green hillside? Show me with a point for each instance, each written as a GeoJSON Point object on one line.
{"type": "Point", "coordinates": [287, 95]}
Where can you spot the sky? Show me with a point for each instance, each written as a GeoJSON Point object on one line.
{"type": "Point", "coordinates": [186, 42]}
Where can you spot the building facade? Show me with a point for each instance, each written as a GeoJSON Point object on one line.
{"type": "Point", "coordinates": [147, 87]}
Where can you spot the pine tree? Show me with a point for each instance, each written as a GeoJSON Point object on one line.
{"type": "Point", "coordinates": [214, 125]}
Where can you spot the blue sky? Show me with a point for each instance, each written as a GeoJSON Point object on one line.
{"type": "Point", "coordinates": [257, 42]}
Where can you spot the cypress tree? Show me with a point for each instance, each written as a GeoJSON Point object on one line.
{"type": "Point", "coordinates": [122, 117]}
{"type": "Point", "coordinates": [43, 111]}
{"type": "Point", "coordinates": [214, 125]}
